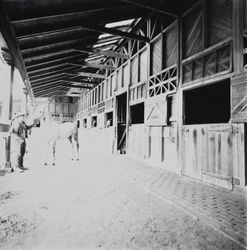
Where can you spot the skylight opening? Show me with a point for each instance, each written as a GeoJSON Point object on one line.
{"type": "Point", "coordinates": [120, 23]}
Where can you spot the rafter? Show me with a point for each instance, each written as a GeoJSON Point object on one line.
{"type": "Point", "coordinates": [81, 82]}
{"type": "Point", "coordinates": [45, 69]}
{"type": "Point", "coordinates": [112, 14]}
{"type": "Point", "coordinates": [151, 5]}
{"type": "Point", "coordinates": [38, 85]}
{"type": "Point", "coordinates": [87, 74]}
{"type": "Point", "coordinates": [86, 84]}
{"type": "Point", "coordinates": [50, 73]}
{"type": "Point", "coordinates": [47, 78]}
{"type": "Point", "coordinates": [77, 86]}
{"type": "Point", "coordinates": [50, 93]}
{"type": "Point", "coordinates": [50, 87]}
{"type": "Point", "coordinates": [116, 32]}
{"type": "Point", "coordinates": [94, 65]}
{"type": "Point", "coordinates": [52, 61]}
{"type": "Point", "coordinates": [104, 53]}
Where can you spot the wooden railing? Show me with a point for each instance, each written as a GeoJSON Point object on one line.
{"type": "Point", "coordinates": [163, 82]}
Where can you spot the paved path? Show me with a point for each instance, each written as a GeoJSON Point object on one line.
{"type": "Point", "coordinates": [113, 202]}
{"type": "Point", "coordinates": [221, 209]}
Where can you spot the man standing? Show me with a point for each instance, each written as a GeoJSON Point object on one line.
{"type": "Point", "coordinates": [19, 133]}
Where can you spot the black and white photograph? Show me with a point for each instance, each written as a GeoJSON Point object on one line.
{"type": "Point", "coordinates": [123, 124]}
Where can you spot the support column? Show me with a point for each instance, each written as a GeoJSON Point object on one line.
{"type": "Point", "coordinates": [238, 15]}
{"type": "Point", "coordinates": [128, 118]}
{"type": "Point", "coordinates": [12, 71]}
{"type": "Point", "coordinates": [10, 109]}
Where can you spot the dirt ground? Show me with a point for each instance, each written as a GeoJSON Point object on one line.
{"type": "Point", "coordinates": [90, 205]}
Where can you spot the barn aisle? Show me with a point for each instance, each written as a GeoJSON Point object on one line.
{"type": "Point", "coordinates": [103, 201]}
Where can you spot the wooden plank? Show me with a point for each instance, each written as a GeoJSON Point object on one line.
{"type": "Point", "coordinates": [113, 14]}
{"type": "Point", "coordinates": [50, 73]}
{"type": "Point", "coordinates": [94, 65]}
{"type": "Point", "coordinates": [37, 86]}
{"type": "Point", "coordinates": [87, 74]}
{"type": "Point", "coordinates": [161, 8]}
{"type": "Point", "coordinates": [116, 32]}
{"type": "Point", "coordinates": [49, 62]}
{"type": "Point", "coordinates": [82, 82]}
{"type": "Point", "coordinates": [104, 53]}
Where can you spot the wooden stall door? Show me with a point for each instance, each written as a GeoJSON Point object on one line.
{"type": "Point", "coordinates": [121, 122]}
{"type": "Point", "coordinates": [155, 145]}
{"type": "Point", "coordinates": [169, 148]}
{"type": "Point", "coordinates": [193, 150]}
{"type": "Point", "coordinates": [214, 153]}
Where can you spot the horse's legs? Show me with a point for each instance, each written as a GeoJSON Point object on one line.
{"type": "Point", "coordinates": [76, 140]}
{"type": "Point", "coordinates": [53, 152]}
{"type": "Point", "coordinates": [47, 153]}
{"type": "Point", "coordinates": [72, 145]}
{"type": "Point", "coordinates": [77, 148]}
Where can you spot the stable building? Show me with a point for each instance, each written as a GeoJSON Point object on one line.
{"type": "Point", "coordinates": [162, 81]}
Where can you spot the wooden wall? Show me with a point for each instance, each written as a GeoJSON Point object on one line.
{"type": "Point", "coordinates": [174, 62]}
{"type": "Point", "coordinates": [214, 151]}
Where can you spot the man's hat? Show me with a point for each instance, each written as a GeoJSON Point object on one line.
{"type": "Point", "coordinates": [18, 114]}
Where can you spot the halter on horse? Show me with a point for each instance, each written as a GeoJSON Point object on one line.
{"type": "Point", "coordinates": [55, 131]}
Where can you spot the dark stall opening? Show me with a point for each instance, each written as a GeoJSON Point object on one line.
{"type": "Point", "coordinates": [85, 123]}
{"type": "Point", "coordinates": [209, 104]}
{"type": "Point", "coordinates": [137, 113]}
{"type": "Point", "coordinates": [108, 119]}
{"type": "Point", "coordinates": [121, 122]}
{"type": "Point", "coordinates": [94, 121]}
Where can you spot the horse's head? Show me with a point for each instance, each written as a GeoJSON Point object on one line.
{"type": "Point", "coordinates": [38, 113]}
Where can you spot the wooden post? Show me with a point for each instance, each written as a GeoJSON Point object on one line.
{"type": "Point", "coordinates": [238, 14]}
{"type": "Point", "coordinates": [12, 71]}
{"type": "Point", "coordinates": [128, 118]}
{"type": "Point", "coordinates": [8, 139]}
{"type": "Point", "coordinates": [180, 97]}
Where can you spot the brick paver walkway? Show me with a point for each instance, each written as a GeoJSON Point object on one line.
{"type": "Point", "coordinates": [219, 208]}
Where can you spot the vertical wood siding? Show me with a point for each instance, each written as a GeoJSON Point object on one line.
{"type": "Point", "coordinates": [156, 58]}
{"type": "Point", "coordinates": [134, 70]}
{"type": "Point", "coordinates": [192, 32]}
{"type": "Point", "coordinates": [219, 20]}
{"type": "Point", "coordinates": [170, 53]}
{"type": "Point", "coordinates": [216, 149]}
{"type": "Point", "coordinates": [126, 73]}
{"type": "Point", "coordinates": [137, 141]}
{"type": "Point", "coordinates": [143, 66]}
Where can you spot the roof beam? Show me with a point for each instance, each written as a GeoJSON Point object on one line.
{"type": "Point", "coordinates": [49, 87]}
{"type": "Point", "coordinates": [49, 94]}
{"type": "Point", "coordinates": [104, 53]}
{"type": "Point", "coordinates": [88, 84]}
{"type": "Point", "coordinates": [46, 78]}
{"type": "Point", "coordinates": [116, 32]}
{"type": "Point", "coordinates": [53, 47]}
{"type": "Point", "coordinates": [94, 65]}
{"type": "Point", "coordinates": [82, 82]}
{"type": "Point", "coordinates": [87, 74]}
{"type": "Point", "coordinates": [112, 14]}
{"type": "Point", "coordinates": [47, 69]}
{"type": "Point", "coordinates": [152, 5]}
{"type": "Point", "coordinates": [77, 86]}
{"type": "Point", "coordinates": [51, 64]}
{"type": "Point", "coordinates": [48, 82]}
{"type": "Point", "coordinates": [50, 73]}
{"type": "Point", "coordinates": [56, 37]}
{"type": "Point", "coordinates": [29, 65]}
{"type": "Point", "coordinates": [9, 37]}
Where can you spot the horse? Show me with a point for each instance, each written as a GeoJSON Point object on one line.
{"type": "Point", "coordinates": [53, 132]}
